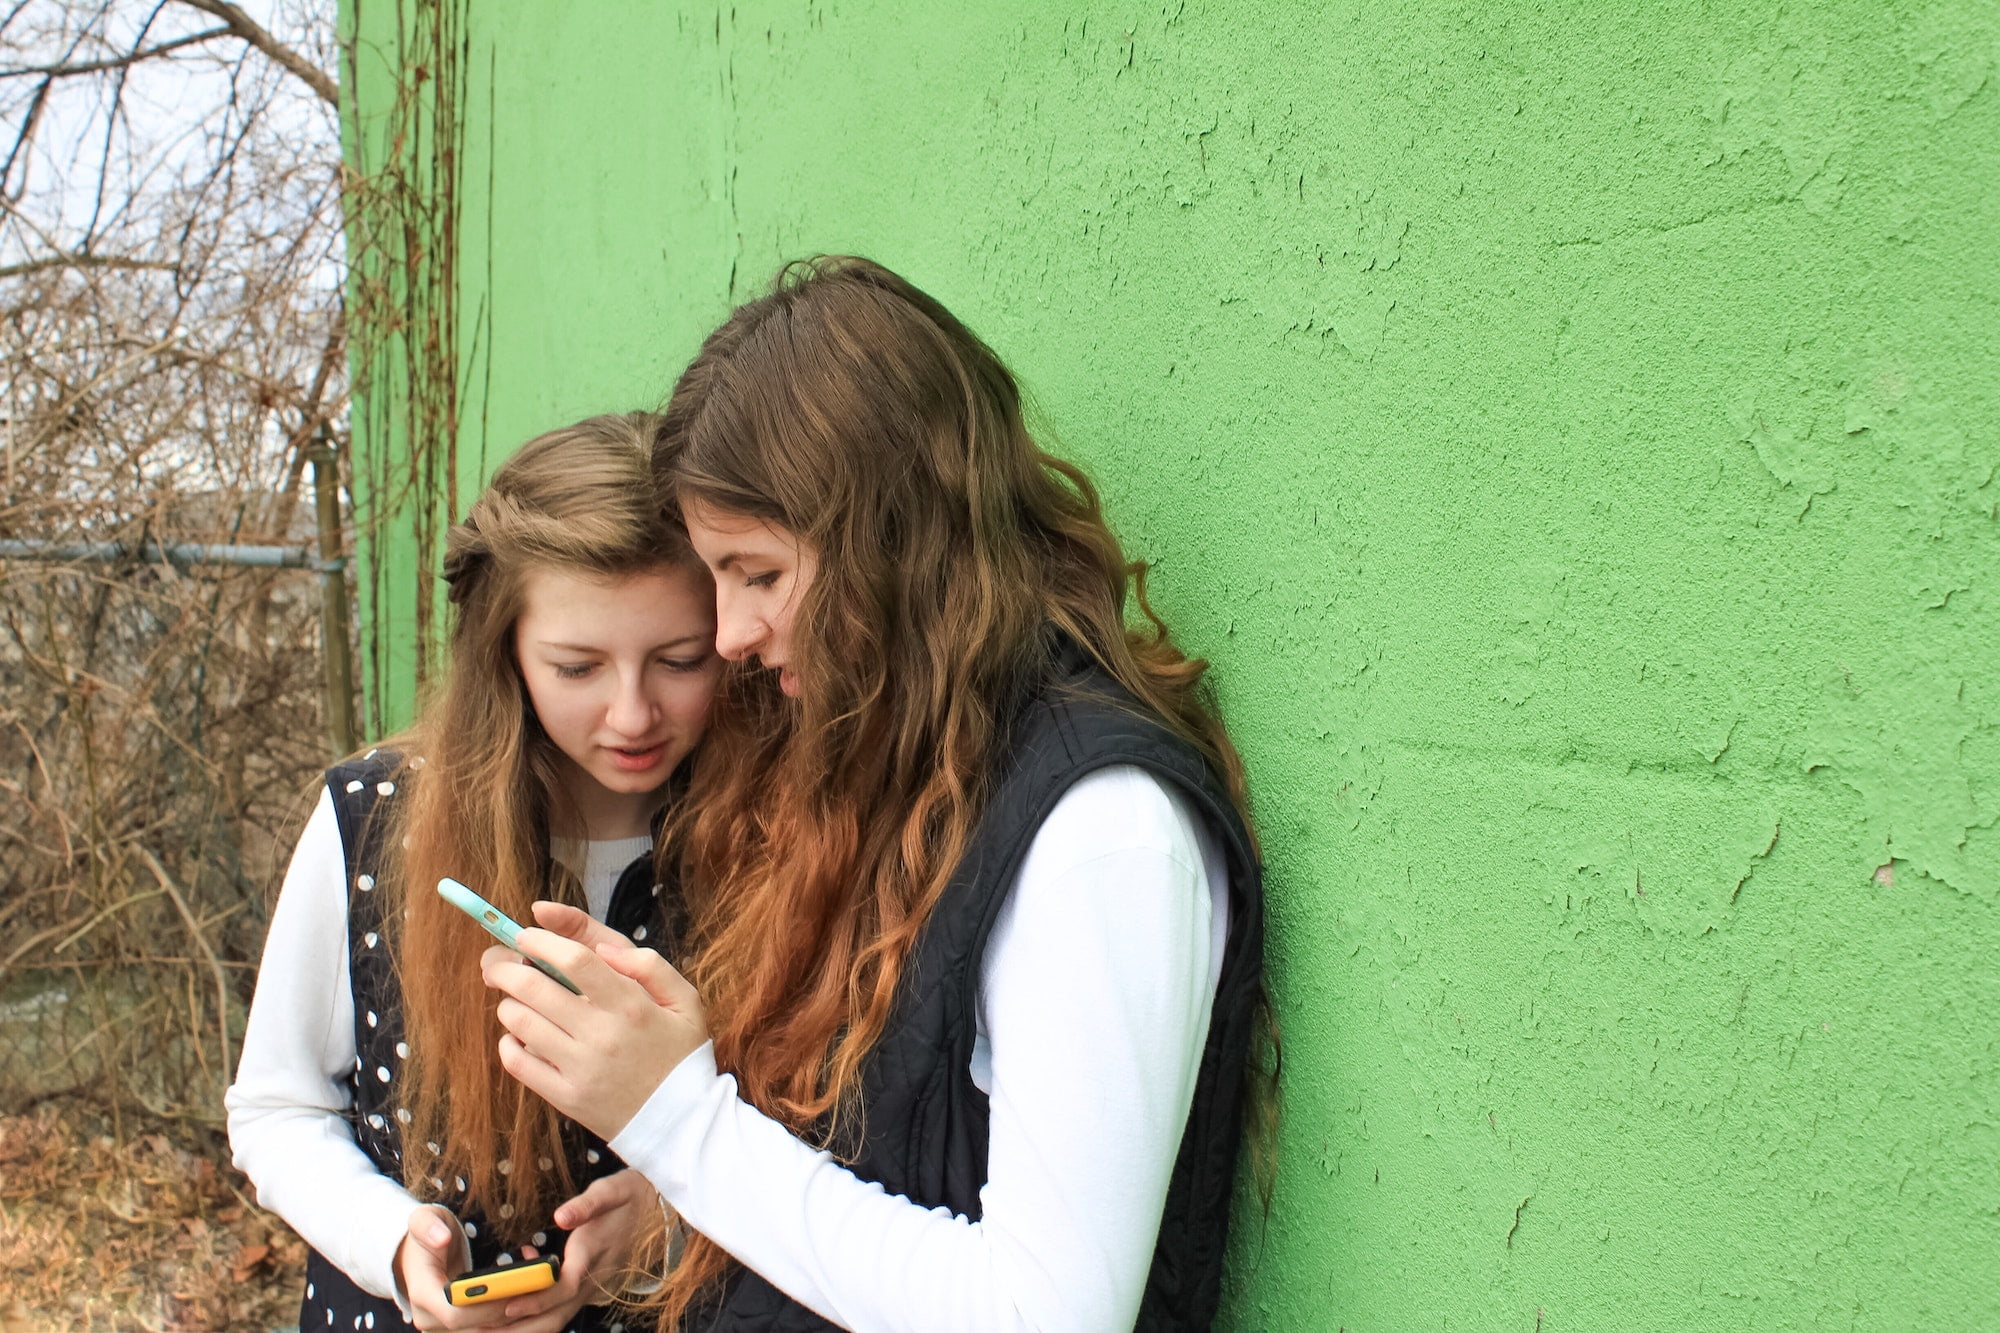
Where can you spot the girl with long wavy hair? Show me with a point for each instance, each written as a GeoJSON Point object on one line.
{"type": "Point", "coordinates": [368, 1108]}
{"type": "Point", "coordinates": [973, 966]}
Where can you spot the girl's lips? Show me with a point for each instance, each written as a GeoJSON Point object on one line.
{"type": "Point", "coordinates": [637, 761]}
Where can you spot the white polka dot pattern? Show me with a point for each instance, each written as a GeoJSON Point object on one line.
{"type": "Point", "coordinates": [379, 1051]}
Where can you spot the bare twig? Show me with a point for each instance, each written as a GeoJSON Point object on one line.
{"type": "Point", "coordinates": [252, 32]}
{"type": "Point", "coordinates": [73, 260]}
{"type": "Point", "coordinates": [201, 944]}
{"type": "Point", "coordinates": [117, 62]}
{"type": "Point", "coordinates": [91, 924]}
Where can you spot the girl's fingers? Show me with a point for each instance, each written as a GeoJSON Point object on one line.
{"type": "Point", "coordinates": [533, 1073]}
{"type": "Point", "coordinates": [554, 1321]}
{"type": "Point", "coordinates": [667, 986]}
{"type": "Point", "coordinates": [506, 972]}
{"type": "Point", "coordinates": [578, 962]}
{"type": "Point", "coordinates": [575, 924]}
{"type": "Point", "coordinates": [604, 1194]}
{"type": "Point", "coordinates": [548, 1298]}
{"type": "Point", "coordinates": [577, 1257]}
{"type": "Point", "coordinates": [543, 1037]}
{"type": "Point", "coordinates": [437, 1231]}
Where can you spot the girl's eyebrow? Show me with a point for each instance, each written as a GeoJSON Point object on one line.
{"type": "Point", "coordinates": [598, 648]}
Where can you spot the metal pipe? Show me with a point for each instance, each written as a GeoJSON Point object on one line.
{"type": "Point", "coordinates": [179, 553]}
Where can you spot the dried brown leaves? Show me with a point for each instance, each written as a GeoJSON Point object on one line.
{"type": "Point", "coordinates": [150, 1233]}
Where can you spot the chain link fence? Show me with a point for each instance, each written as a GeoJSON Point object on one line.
{"type": "Point", "coordinates": [162, 726]}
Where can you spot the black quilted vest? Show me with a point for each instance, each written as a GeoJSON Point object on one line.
{"type": "Point", "coordinates": [361, 788]}
{"type": "Point", "coordinates": [924, 1122]}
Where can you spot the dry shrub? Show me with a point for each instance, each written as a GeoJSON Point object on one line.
{"type": "Point", "coordinates": [171, 344]}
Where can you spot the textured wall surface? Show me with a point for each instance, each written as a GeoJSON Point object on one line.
{"type": "Point", "coordinates": [1571, 431]}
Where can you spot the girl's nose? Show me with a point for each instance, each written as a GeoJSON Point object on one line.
{"type": "Point", "coordinates": [736, 634]}
{"type": "Point", "coordinates": [631, 712]}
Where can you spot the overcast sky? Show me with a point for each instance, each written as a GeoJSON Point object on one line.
{"type": "Point", "coordinates": [169, 110]}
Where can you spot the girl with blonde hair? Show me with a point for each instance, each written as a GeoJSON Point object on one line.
{"type": "Point", "coordinates": [369, 1109]}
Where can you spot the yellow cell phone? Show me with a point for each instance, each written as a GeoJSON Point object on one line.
{"type": "Point", "coordinates": [497, 1284]}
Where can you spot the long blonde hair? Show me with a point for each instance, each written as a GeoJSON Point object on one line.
{"type": "Point", "coordinates": [483, 785]}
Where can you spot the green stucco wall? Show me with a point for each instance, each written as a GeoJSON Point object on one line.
{"type": "Point", "coordinates": [1571, 432]}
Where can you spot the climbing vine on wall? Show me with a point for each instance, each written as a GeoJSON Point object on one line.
{"type": "Point", "coordinates": [403, 200]}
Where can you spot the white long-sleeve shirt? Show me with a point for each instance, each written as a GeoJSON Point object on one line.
{"type": "Point", "coordinates": [1094, 999]}
{"type": "Point", "coordinates": [287, 1128]}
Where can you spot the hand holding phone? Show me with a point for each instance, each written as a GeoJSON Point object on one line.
{"type": "Point", "coordinates": [497, 924]}
{"type": "Point", "coordinates": [434, 1247]}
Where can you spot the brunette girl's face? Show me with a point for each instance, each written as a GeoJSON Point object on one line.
{"type": "Point", "coordinates": [620, 673]}
{"type": "Point", "coordinates": [761, 574]}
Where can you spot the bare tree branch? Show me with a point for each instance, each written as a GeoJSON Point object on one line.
{"type": "Point", "coordinates": [252, 32]}
{"type": "Point", "coordinates": [117, 62]}
{"type": "Point", "coordinates": [84, 261]}
{"type": "Point", "coordinates": [29, 124]}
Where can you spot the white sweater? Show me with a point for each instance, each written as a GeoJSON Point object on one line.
{"type": "Point", "coordinates": [1095, 992]}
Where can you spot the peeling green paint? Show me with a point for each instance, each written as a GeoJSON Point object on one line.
{"type": "Point", "coordinates": [1571, 431]}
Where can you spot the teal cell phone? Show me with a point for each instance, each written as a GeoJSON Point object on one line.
{"type": "Point", "coordinates": [498, 924]}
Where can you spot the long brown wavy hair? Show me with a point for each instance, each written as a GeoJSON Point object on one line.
{"type": "Point", "coordinates": [853, 410]}
{"type": "Point", "coordinates": [483, 786]}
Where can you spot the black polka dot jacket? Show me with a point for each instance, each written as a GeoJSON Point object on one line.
{"type": "Point", "coordinates": [333, 1301]}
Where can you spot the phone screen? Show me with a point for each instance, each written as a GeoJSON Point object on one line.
{"type": "Point", "coordinates": [497, 923]}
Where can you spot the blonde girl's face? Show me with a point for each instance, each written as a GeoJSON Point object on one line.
{"type": "Point", "coordinates": [620, 672]}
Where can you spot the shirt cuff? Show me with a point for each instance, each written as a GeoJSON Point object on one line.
{"type": "Point", "coordinates": [652, 1138]}
{"type": "Point", "coordinates": [382, 1217]}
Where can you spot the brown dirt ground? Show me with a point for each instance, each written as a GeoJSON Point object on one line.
{"type": "Point", "coordinates": [152, 1230]}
